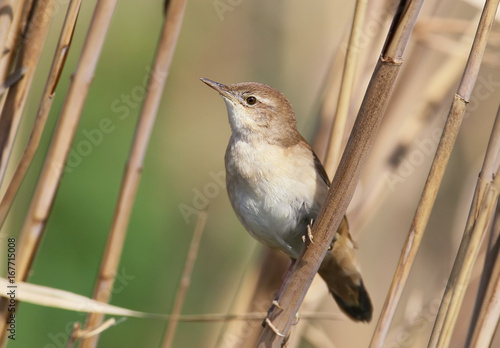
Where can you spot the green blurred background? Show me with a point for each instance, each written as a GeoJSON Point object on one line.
{"type": "Point", "coordinates": [288, 45]}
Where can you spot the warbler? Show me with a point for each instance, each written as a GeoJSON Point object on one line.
{"type": "Point", "coordinates": [277, 185]}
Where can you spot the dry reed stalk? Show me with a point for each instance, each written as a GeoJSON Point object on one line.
{"type": "Point", "coordinates": [185, 279]}
{"type": "Point", "coordinates": [462, 268]}
{"type": "Point", "coordinates": [434, 178]}
{"type": "Point", "coordinates": [50, 176]}
{"type": "Point", "coordinates": [441, 25]}
{"type": "Point", "coordinates": [8, 9]}
{"type": "Point", "coordinates": [486, 314]}
{"type": "Point", "coordinates": [487, 322]}
{"type": "Point", "coordinates": [29, 55]}
{"type": "Point", "coordinates": [348, 78]}
{"type": "Point", "coordinates": [73, 336]}
{"type": "Point", "coordinates": [346, 177]}
{"type": "Point", "coordinates": [483, 203]}
{"type": "Point", "coordinates": [385, 157]}
{"type": "Point", "coordinates": [44, 108]}
{"type": "Point", "coordinates": [130, 182]}
{"type": "Point", "coordinates": [328, 104]}
{"type": "Point", "coordinates": [254, 293]}
{"type": "Point", "coordinates": [12, 37]}
{"type": "Point", "coordinates": [365, 68]}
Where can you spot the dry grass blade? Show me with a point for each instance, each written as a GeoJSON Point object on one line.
{"type": "Point", "coordinates": [43, 109]}
{"type": "Point", "coordinates": [348, 77]}
{"type": "Point", "coordinates": [50, 176]}
{"type": "Point", "coordinates": [116, 238]}
{"type": "Point", "coordinates": [347, 175]}
{"type": "Point", "coordinates": [29, 56]}
{"type": "Point", "coordinates": [62, 299]}
{"type": "Point", "coordinates": [82, 334]}
{"type": "Point", "coordinates": [185, 279]}
{"type": "Point", "coordinates": [434, 178]}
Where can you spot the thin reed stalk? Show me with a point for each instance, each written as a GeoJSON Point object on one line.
{"type": "Point", "coordinates": [434, 178]}
{"type": "Point", "coordinates": [116, 237]}
{"type": "Point", "coordinates": [185, 279]}
{"type": "Point", "coordinates": [480, 328]}
{"type": "Point", "coordinates": [50, 176]}
{"type": "Point", "coordinates": [346, 177]}
{"type": "Point", "coordinates": [45, 105]}
{"type": "Point", "coordinates": [483, 204]}
{"type": "Point", "coordinates": [30, 53]}
{"type": "Point", "coordinates": [348, 78]}
{"type": "Point", "coordinates": [386, 158]}
{"type": "Point", "coordinates": [484, 325]}
{"type": "Point", "coordinates": [462, 268]}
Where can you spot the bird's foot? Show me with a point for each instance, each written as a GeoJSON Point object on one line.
{"type": "Point", "coordinates": [309, 236]}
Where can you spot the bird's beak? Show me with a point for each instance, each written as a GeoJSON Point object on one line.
{"type": "Point", "coordinates": [219, 87]}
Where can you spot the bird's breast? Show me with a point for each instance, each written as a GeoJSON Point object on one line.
{"type": "Point", "coordinates": [273, 190]}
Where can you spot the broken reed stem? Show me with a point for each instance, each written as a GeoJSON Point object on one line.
{"type": "Point", "coordinates": [116, 238]}
{"type": "Point", "coordinates": [348, 79]}
{"type": "Point", "coordinates": [185, 279]}
{"type": "Point", "coordinates": [43, 108]}
{"type": "Point", "coordinates": [347, 175]}
{"type": "Point", "coordinates": [50, 176]}
{"type": "Point", "coordinates": [434, 178]}
{"type": "Point", "coordinates": [31, 50]}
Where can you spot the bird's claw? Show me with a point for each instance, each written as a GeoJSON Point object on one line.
{"type": "Point", "coordinates": [274, 328]}
{"type": "Point", "coordinates": [309, 234]}
{"type": "Point", "coordinates": [277, 304]}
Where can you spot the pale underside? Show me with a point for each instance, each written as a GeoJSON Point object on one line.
{"type": "Point", "coordinates": [275, 191]}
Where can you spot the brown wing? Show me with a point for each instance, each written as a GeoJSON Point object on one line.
{"type": "Point", "coordinates": [320, 169]}
{"type": "Point", "coordinates": [317, 163]}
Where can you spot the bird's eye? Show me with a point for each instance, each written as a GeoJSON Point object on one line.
{"type": "Point", "coordinates": [251, 100]}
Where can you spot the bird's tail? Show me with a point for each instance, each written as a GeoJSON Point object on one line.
{"type": "Point", "coordinates": [340, 271]}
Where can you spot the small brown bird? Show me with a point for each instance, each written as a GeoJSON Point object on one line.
{"type": "Point", "coordinates": [277, 185]}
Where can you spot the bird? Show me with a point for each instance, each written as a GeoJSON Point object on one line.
{"type": "Point", "coordinates": [276, 185]}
